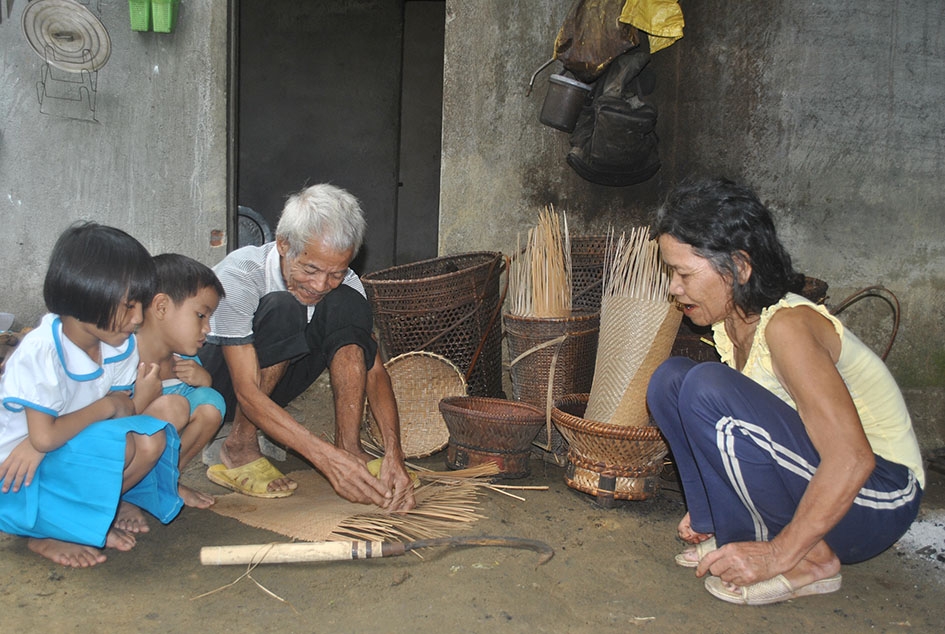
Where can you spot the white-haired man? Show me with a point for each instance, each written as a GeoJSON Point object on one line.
{"type": "Point", "coordinates": [293, 308]}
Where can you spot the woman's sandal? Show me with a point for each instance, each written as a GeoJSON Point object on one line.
{"type": "Point", "coordinates": [691, 557]}
{"type": "Point", "coordinates": [773, 590]}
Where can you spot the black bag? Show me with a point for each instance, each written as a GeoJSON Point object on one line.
{"type": "Point", "coordinates": [614, 140]}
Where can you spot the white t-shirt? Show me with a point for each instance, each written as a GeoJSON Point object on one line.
{"type": "Point", "coordinates": [247, 274]}
{"type": "Point", "coordinates": [50, 374]}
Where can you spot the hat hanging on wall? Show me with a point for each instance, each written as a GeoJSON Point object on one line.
{"type": "Point", "coordinates": [67, 35]}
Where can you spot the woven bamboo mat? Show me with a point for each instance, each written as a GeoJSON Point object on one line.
{"type": "Point", "coordinates": [316, 513]}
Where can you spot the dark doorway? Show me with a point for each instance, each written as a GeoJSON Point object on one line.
{"type": "Point", "coordinates": [347, 92]}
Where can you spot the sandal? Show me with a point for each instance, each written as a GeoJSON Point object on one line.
{"type": "Point", "coordinates": [773, 590]}
{"type": "Point", "coordinates": [700, 550]}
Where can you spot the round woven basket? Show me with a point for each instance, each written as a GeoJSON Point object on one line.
{"type": "Point", "coordinates": [419, 380]}
{"type": "Point", "coordinates": [611, 462]}
{"type": "Point", "coordinates": [484, 429]}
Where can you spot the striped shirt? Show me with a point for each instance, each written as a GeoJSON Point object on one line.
{"type": "Point", "coordinates": [248, 274]}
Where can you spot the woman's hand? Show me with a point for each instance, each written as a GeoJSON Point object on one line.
{"type": "Point", "coordinates": [20, 466]}
{"type": "Point", "coordinates": [744, 563]}
{"type": "Point", "coordinates": [685, 532]}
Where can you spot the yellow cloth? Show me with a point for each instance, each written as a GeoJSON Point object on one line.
{"type": "Point", "coordinates": [877, 398]}
{"type": "Point", "coordinates": [661, 20]}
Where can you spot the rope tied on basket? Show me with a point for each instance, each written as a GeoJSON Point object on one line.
{"type": "Point", "coordinates": [549, 400]}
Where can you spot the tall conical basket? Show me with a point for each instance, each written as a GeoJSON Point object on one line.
{"type": "Point", "coordinates": [449, 306]}
{"type": "Point", "coordinates": [548, 358]}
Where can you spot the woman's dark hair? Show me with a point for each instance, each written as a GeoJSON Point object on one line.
{"type": "Point", "coordinates": [93, 269]}
{"type": "Point", "coordinates": [181, 277]}
{"type": "Point", "coordinates": [725, 222]}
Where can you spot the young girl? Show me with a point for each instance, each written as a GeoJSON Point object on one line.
{"type": "Point", "coordinates": [80, 456]}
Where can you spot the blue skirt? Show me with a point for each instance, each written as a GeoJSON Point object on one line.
{"type": "Point", "coordinates": [75, 493]}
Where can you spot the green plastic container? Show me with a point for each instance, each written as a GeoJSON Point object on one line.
{"type": "Point", "coordinates": [164, 14]}
{"type": "Point", "coordinates": [140, 12]}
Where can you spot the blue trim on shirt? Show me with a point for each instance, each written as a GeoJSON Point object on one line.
{"type": "Point", "coordinates": [23, 403]}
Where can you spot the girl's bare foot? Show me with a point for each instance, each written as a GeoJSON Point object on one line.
{"type": "Point", "coordinates": [120, 539]}
{"type": "Point", "coordinates": [130, 519]}
{"type": "Point", "coordinates": [66, 553]}
{"type": "Point", "coordinates": [194, 498]}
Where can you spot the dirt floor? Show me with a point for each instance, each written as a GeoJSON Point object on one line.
{"type": "Point", "coordinates": [612, 571]}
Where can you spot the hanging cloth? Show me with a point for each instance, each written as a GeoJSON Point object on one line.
{"type": "Point", "coordinates": [661, 20]}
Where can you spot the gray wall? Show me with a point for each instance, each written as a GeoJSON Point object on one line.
{"type": "Point", "coordinates": [153, 164]}
{"type": "Point", "coordinates": [833, 111]}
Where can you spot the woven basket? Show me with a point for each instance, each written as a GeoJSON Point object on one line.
{"type": "Point", "coordinates": [611, 462]}
{"type": "Point", "coordinates": [556, 351]}
{"type": "Point", "coordinates": [447, 305]}
{"type": "Point", "coordinates": [588, 254]}
{"type": "Point", "coordinates": [419, 380]}
{"type": "Point", "coordinates": [484, 429]}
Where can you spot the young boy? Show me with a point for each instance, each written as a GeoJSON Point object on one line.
{"type": "Point", "coordinates": [175, 326]}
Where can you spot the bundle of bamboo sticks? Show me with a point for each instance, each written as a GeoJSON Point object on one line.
{"type": "Point", "coordinates": [540, 274]}
{"type": "Point", "coordinates": [636, 269]}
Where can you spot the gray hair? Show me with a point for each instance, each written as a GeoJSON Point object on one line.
{"type": "Point", "coordinates": [323, 212]}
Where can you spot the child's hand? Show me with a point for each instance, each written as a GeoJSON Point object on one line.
{"type": "Point", "coordinates": [122, 404]}
{"type": "Point", "coordinates": [147, 385]}
{"type": "Point", "coordinates": [20, 466]}
{"type": "Point", "coordinates": [191, 372]}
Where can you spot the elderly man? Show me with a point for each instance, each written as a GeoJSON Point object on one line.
{"type": "Point", "coordinates": [292, 309]}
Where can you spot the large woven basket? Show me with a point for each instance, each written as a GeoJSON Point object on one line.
{"type": "Point", "coordinates": [449, 306]}
{"type": "Point", "coordinates": [611, 462]}
{"type": "Point", "coordinates": [548, 358]}
{"type": "Point", "coordinates": [484, 429]}
{"type": "Point", "coordinates": [419, 380]}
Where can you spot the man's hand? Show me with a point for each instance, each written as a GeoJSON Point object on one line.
{"type": "Point", "coordinates": [351, 480]}
{"type": "Point", "coordinates": [20, 466]}
{"type": "Point", "coordinates": [394, 476]}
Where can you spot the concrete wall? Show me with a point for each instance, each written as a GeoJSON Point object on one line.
{"type": "Point", "coordinates": [152, 162]}
{"type": "Point", "coordinates": [832, 110]}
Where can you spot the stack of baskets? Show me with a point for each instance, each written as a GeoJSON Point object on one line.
{"type": "Point", "coordinates": [569, 363]}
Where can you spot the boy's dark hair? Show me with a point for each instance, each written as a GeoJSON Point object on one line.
{"type": "Point", "coordinates": [93, 269]}
{"type": "Point", "coordinates": [181, 277]}
{"type": "Point", "coordinates": [723, 222]}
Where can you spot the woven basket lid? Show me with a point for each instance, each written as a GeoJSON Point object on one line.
{"type": "Point", "coordinates": [420, 380]}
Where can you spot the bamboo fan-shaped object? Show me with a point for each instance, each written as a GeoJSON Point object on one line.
{"type": "Point", "coordinates": [638, 325]}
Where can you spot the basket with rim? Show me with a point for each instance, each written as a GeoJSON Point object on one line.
{"type": "Point", "coordinates": [447, 305]}
{"type": "Point", "coordinates": [611, 462]}
{"type": "Point", "coordinates": [485, 429]}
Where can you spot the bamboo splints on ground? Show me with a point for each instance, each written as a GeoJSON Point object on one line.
{"type": "Point", "coordinates": [540, 275]}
